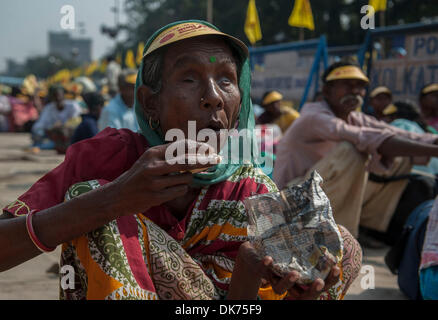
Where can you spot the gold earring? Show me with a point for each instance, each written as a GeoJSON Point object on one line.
{"type": "Point", "coordinates": [151, 126]}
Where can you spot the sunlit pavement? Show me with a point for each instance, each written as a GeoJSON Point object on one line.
{"type": "Point", "coordinates": [375, 270]}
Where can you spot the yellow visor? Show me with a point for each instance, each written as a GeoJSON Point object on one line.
{"type": "Point", "coordinates": [390, 109]}
{"type": "Point", "coordinates": [132, 78]}
{"type": "Point", "coordinates": [188, 30]}
{"type": "Point", "coordinates": [347, 72]}
{"type": "Point", "coordinates": [380, 90]}
{"type": "Point", "coordinates": [430, 88]}
{"type": "Point", "coordinates": [272, 97]}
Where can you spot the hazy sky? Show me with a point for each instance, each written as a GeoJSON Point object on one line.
{"type": "Point", "coordinates": [24, 25]}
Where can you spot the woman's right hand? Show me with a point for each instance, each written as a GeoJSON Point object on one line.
{"type": "Point", "coordinates": [153, 180]}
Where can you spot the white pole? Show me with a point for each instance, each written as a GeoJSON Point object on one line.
{"type": "Point", "coordinates": [210, 11]}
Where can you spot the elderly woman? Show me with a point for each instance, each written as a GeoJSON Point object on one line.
{"type": "Point", "coordinates": [134, 226]}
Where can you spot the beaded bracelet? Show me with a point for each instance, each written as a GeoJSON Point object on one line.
{"type": "Point", "coordinates": [32, 235]}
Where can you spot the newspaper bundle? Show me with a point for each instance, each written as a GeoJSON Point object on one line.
{"type": "Point", "coordinates": [296, 228]}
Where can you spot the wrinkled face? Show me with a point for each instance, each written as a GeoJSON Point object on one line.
{"type": "Point", "coordinates": [380, 102]}
{"type": "Point", "coordinates": [429, 105]}
{"type": "Point", "coordinates": [344, 95]}
{"type": "Point", "coordinates": [199, 83]}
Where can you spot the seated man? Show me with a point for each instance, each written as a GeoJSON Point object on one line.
{"type": "Point", "coordinates": [88, 127]}
{"type": "Point", "coordinates": [5, 111]}
{"type": "Point", "coordinates": [23, 110]}
{"type": "Point", "coordinates": [380, 98]}
{"type": "Point", "coordinates": [119, 113]}
{"type": "Point", "coordinates": [112, 73]}
{"type": "Point", "coordinates": [406, 116]}
{"type": "Point", "coordinates": [55, 114]}
{"type": "Point", "coordinates": [429, 104]}
{"type": "Point", "coordinates": [343, 145]}
{"type": "Point", "coordinates": [275, 113]}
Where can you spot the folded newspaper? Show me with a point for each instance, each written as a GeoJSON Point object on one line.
{"type": "Point", "coordinates": [296, 228]}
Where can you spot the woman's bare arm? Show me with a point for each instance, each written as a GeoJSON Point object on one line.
{"type": "Point", "coordinates": [54, 226]}
{"type": "Point", "coordinates": [145, 185]}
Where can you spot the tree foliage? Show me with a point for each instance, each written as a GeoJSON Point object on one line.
{"type": "Point", "coordinates": [338, 20]}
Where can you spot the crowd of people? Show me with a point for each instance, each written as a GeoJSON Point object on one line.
{"type": "Point", "coordinates": [366, 160]}
{"type": "Point", "coordinates": [137, 222]}
{"type": "Point", "coordinates": [69, 111]}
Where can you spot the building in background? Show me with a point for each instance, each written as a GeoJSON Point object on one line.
{"type": "Point", "coordinates": [13, 67]}
{"type": "Point", "coordinates": [63, 45]}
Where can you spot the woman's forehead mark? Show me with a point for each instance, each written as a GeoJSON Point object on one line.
{"type": "Point", "coordinates": [185, 60]}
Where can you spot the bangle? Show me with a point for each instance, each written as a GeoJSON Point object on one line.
{"type": "Point", "coordinates": [32, 235]}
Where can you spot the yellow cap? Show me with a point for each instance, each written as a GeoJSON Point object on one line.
{"type": "Point", "coordinates": [390, 109]}
{"type": "Point", "coordinates": [272, 97]}
{"type": "Point", "coordinates": [380, 90]}
{"type": "Point", "coordinates": [430, 88]}
{"type": "Point", "coordinates": [30, 83]}
{"type": "Point", "coordinates": [347, 72]}
{"type": "Point", "coordinates": [74, 87]}
{"type": "Point", "coordinates": [131, 78]}
{"type": "Point", "coordinates": [188, 30]}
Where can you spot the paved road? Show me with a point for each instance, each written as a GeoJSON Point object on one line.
{"type": "Point", "coordinates": [19, 170]}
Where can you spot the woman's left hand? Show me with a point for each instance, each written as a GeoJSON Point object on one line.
{"type": "Point", "coordinates": [261, 270]}
{"type": "Point", "coordinates": [314, 290]}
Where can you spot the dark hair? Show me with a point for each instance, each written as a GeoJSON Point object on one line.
{"type": "Point", "coordinates": [342, 63]}
{"type": "Point", "coordinates": [54, 89]}
{"type": "Point", "coordinates": [93, 100]}
{"type": "Point", "coordinates": [237, 55]}
{"type": "Point", "coordinates": [15, 91]}
{"type": "Point", "coordinates": [152, 72]}
{"type": "Point", "coordinates": [408, 110]}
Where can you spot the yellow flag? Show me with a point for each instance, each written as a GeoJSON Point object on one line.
{"type": "Point", "coordinates": [129, 60]}
{"type": "Point", "coordinates": [252, 23]}
{"type": "Point", "coordinates": [301, 15]}
{"type": "Point", "coordinates": [91, 68]}
{"type": "Point", "coordinates": [76, 72]}
{"type": "Point", "coordinates": [102, 67]}
{"type": "Point", "coordinates": [378, 5]}
{"type": "Point", "coordinates": [63, 75]}
{"type": "Point", "coordinates": [30, 84]}
{"type": "Point", "coordinates": [139, 53]}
